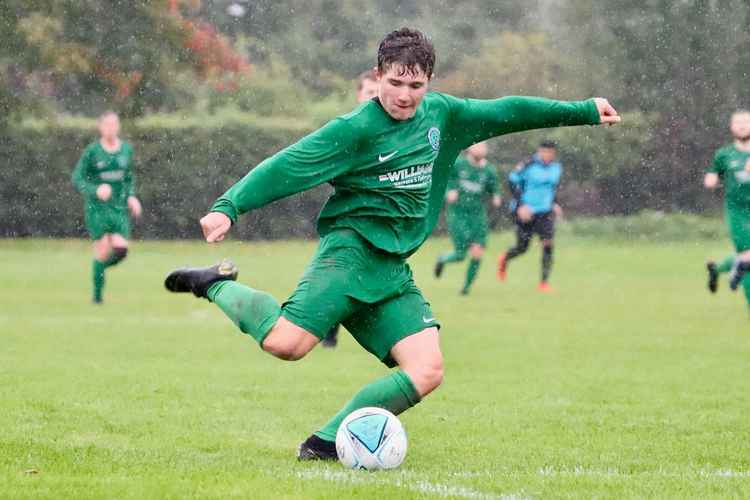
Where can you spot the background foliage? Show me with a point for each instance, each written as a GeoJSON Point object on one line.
{"type": "Point", "coordinates": [185, 72]}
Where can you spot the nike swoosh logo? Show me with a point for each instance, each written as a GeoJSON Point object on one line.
{"type": "Point", "coordinates": [382, 158]}
{"type": "Point", "coordinates": [428, 320]}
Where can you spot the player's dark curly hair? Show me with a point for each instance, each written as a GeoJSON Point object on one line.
{"type": "Point", "coordinates": [409, 48]}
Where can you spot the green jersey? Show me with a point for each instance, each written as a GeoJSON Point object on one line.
{"type": "Point", "coordinates": [733, 167]}
{"type": "Point", "coordinates": [98, 166]}
{"type": "Point", "coordinates": [473, 183]}
{"type": "Point", "coordinates": [390, 176]}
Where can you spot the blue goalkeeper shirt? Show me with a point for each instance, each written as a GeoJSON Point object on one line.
{"type": "Point", "coordinates": [534, 183]}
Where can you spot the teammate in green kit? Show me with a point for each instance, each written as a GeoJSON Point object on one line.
{"type": "Point", "coordinates": [731, 167]}
{"type": "Point", "coordinates": [104, 175]}
{"type": "Point", "coordinates": [471, 179]}
{"type": "Point", "coordinates": [367, 88]}
{"type": "Point", "coordinates": [389, 162]}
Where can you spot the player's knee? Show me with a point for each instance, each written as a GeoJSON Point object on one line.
{"type": "Point", "coordinates": [548, 244]}
{"type": "Point", "coordinates": [428, 376]}
{"type": "Point", "coordinates": [288, 345]}
{"type": "Point", "coordinates": [477, 251]}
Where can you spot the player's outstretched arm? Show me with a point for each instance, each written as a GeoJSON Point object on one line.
{"type": "Point", "coordinates": [483, 119]}
{"type": "Point", "coordinates": [316, 159]}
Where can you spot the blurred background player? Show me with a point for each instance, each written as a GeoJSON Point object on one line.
{"type": "Point", "coordinates": [533, 185]}
{"type": "Point", "coordinates": [472, 178]}
{"type": "Point", "coordinates": [731, 166]}
{"type": "Point", "coordinates": [104, 175]}
{"type": "Point", "coordinates": [367, 88]}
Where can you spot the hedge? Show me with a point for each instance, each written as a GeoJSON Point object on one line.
{"type": "Point", "coordinates": [182, 165]}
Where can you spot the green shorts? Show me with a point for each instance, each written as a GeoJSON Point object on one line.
{"type": "Point", "coordinates": [739, 228]}
{"type": "Point", "coordinates": [371, 292]}
{"type": "Point", "coordinates": [466, 229]}
{"type": "Point", "coordinates": [107, 220]}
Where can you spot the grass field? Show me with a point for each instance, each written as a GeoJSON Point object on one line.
{"type": "Point", "coordinates": [631, 381]}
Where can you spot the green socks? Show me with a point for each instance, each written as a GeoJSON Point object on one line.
{"type": "Point", "coordinates": [97, 270]}
{"type": "Point", "coordinates": [98, 267]}
{"type": "Point", "coordinates": [726, 265]}
{"type": "Point", "coordinates": [451, 257]}
{"type": "Point", "coordinates": [395, 392]}
{"type": "Point", "coordinates": [471, 273]}
{"type": "Point", "coordinates": [254, 312]}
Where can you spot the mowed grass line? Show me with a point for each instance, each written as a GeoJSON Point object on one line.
{"type": "Point", "coordinates": [630, 381]}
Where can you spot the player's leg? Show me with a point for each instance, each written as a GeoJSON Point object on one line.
{"type": "Point", "coordinates": [740, 270]}
{"type": "Point", "coordinates": [715, 269]}
{"type": "Point", "coordinates": [254, 312]}
{"type": "Point", "coordinates": [402, 332]}
{"type": "Point", "coordinates": [102, 249]}
{"type": "Point", "coordinates": [287, 331]}
{"type": "Point", "coordinates": [523, 238]}
{"type": "Point", "coordinates": [476, 251]}
{"type": "Point", "coordinates": [544, 226]}
{"type": "Point", "coordinates": [457, 232]}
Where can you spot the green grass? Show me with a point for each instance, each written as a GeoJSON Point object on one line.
{"type": "Point", "coordinates": [629, 382]}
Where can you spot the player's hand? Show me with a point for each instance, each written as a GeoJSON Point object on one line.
{"type": "Point", "coordinates": [607, 114]}
{"type": "Point", "coordinates": [558, 211]}
{"type": "Point", "coordinates": [104, 192]}
{"type": "Point", "coordinates": [451, 196]}
{"type": "Point", "coordinates": [497, 201]}
{"type": "Point", "coordinates": [524, 213]}
{"type": "Point", "coordinates": [711, 180]}
{"type": "Point", "coordinates": [215, 226]}
{"type": "Point", "coordinates": [134, 205]}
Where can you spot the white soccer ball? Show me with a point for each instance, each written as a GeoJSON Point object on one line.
{"type": "Point", "coordinates": [371, 439]}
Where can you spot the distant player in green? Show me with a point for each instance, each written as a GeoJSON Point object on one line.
{"type": "Point", "coordinates": [731, 167]}
{"type": "Point", "coordinates": [389, 162]}
{"type": "Point", "coordinates": [471, 180]}
{"type": "Point", "coordinates": [367, 88]}
{"type": "Point", "coordinates": [104, 175]}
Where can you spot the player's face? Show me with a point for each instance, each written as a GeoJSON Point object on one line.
{"type": "Point", "coordinates": [740, 126]}
{"type": "Point", "coordinates": [547, 155]}
{"type": "Point", "coordinates": [401, 92]}
{"type": "Point", "coordinates": [368, 90]}
{"type": "Point", "coordinates": [109, 127]}
{"type": "Point", "coordinates": [478, 151]}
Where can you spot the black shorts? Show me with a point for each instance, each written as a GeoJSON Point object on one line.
{"type": "Point", "coordinates": [542, 224]}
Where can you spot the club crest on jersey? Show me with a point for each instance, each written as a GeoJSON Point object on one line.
{"type": "Point", "coordinates": [433, 135]}
{"type": "Point", "coordinates": [100, 164]}
{"type": "Point", "coordinates": [122, 161]}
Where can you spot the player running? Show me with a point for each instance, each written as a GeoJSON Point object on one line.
{"type": "Point", "coordinates": [534, 186]}
{"type": "Point", "coordinates": [471, 179]}
{"type": "Point", "coordinates": [389, 162]}
{"type": "Point", "coordinates": [104, 175]}
{"type": "Point", "coordinates": [367, 88]}
{"type": "Point", "coordinates": [731, 166]}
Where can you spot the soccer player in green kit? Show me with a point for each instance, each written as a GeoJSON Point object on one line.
{"type": "Point", "coordinates": [472, 178]}
{"type": "Point", "coordinates": [389, 162]}
{"type": "Point", "coordinates": [731, 166]}
{"type": "Point", "coordinates": [104, 175]}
